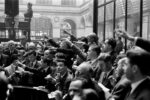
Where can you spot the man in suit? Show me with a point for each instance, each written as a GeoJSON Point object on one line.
{"type": "Point", "coordinates": [11, 51]}
{"type": "Point", "coordinates": [92, 54]}
{"type": "Point", "coordinates": [137, 72]}
{"type": "Point", "coordinates": [3, 57]}
{"type": "Point", "coordinates": [84, 70]}
{"type": "Point", "coordinates": [33, 61]}
{"type": "Point", "coordinates": [64, 75]}
{"type": "Point", "coordinates": [123, 86]}
{"type": "Point", "coordinates": [107, 69]}
{"type": "Point", "coordinates": [108, 47]}
{"type": "Point", "coordinates": [12, 71]}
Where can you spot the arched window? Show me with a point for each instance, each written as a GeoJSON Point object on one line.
{"type": "Point", "coordinates": [65, 26]}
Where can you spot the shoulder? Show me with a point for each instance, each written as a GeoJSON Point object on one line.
{"type": "Point", "coordinates": [8, 67]}
{"type": "Point", "coordinates": [20, 69]}
{"type": "Point", "coordinates": [5, 56]}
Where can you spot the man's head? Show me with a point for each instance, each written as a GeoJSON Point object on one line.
{"type": "Point", "coordinates": [137, 61]}
{"type": "Point", "coordinates": [46, 53]}
{"type": "Point", "coordinates": [61, 63]}
{"type": "Point", "coordinates": [29, 5]}
{"type": "Point", "coordinates": [20, 54]}
{"type": "Point", "coordinates": [84, 70]}
{"type": "Point", "coordinates": [77, 85]}
{"type": "Point", "coordinates": [93, 52]}
{"type": "Point", "coordinates": [32, 56]}
{"type": "Point", "coordinates": [75, 88]}
{"type": "Point", "coordinates": [11, 45]}
{"type": "Point", "coordinates": [49, 54]}
{"type": "Point", "coordinates": [45, 62]}
{"type": "Point", "coordinates": [61, 67]}
{"type": "Point", "coordinates": [121, 67]}
{"type": "Point", "coordinates": [109, 45]}
{"type": "Point", "coordinates": [92, 39]}
{"type": "Point", "coordinates": [31, 46]}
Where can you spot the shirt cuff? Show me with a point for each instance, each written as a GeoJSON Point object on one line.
{"type": "Point", "coordinates": [135, 40]}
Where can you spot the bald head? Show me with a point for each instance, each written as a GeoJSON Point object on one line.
{"type": "Point", "coordinates": [84, 70]}
{"type": "Point", "coordinates": [31, 46]}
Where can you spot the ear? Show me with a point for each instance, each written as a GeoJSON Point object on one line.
{"type": "Point", "coordinates": [134, 68]}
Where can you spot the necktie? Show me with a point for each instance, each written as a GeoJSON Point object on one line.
{"type": "Point", "coordinates": [104, 77]}
{"type": "Point", "coordinates": [31, 64]}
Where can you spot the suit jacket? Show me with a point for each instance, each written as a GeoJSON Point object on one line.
{"type": "Point", "coordinates": [4, 60]}
{"type": "Point", "coordinates": [106, 81]}
{"type": "Point", "coordinates": [64, 82]}
{"type": "Point", "coordinates": [142, 92]}
{"type": "Point", "coordinates": [36, 78]}
{"type": "Point", "coordinates": [97, 70]}
{"type": "Point", "coordinates": [12, 76]}
{"type": "Point", "coordinates": [145, 44]}
{"type": "Point", "coordinates": [121, 89]}
{"type": "Point", "coordinates": [7, 52]}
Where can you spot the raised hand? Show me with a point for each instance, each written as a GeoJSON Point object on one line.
{"type": "Point", "coordinates": [124, 34]}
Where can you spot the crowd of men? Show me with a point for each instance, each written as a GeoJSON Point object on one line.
{"type": "Point", "coordinates": [78, 69]}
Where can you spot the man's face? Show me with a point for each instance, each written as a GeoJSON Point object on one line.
{"type": "Point", "coordinates": [32, 57]}
{"type": "Point", "coordinates": [129, 72]}
{"type": "Point", "coordinates": [91, 53]}
{"type": "Point", "coordinates": [11, 46]}
{"type": "Point", "coordinates": [61, 68]}
{"type": "Point", "coordinates": [105, 46]}
{"type": "Point", "coordinates": [75, 88]}
{"type": "Point", "coordinates": [46, 54]}
{"type": "Point", "coordinates": [78, 72]}
{"type": "Point", "coordinates": [119, 70]}
{"type": "Point", "coordinates": [15, 62]}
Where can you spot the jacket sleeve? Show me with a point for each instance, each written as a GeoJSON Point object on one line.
{"type": "Point", "coordinates": [143, 43]}
{"type": "Point", "coordinates": [79, 52]}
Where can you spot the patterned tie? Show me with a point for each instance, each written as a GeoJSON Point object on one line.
{"type": "Point", "coordinates": [104, 78]}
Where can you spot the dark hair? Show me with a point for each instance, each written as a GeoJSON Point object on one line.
{"type": "Point", "coordinates": [97, 49]}
{"type": "Point", "coordinates": [85, 84]}
{"type": "Point", "coordinates": [93, 38]}
{"type": "Point", "coordinates": [90, 94]}
{"type": "Point", "coordinates": [60, 57]}
{"type": "Point", "coordinates": [86, 47]}
{"type": "Point", "coordinates": [140, 58]}
{"type": "Point", "coordinates": [47, 61]}
{"type": "Point", "coordinates": [53, 43]}
{"type": "Point", "coordinates": [84, 39]}
{"type": "Point", "coordinates": [112, 42]}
